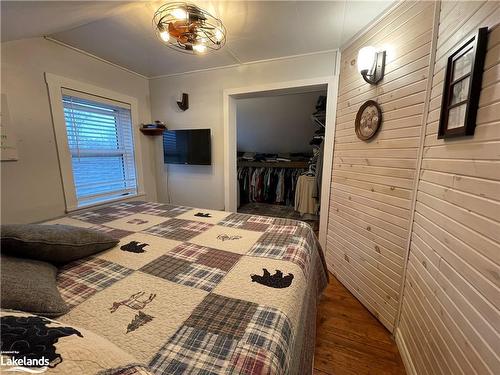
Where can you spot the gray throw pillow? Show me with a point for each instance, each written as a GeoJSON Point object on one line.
{"type": "Point", "coordinates": [30, 285]}
{"type": "Point", "coordinates": [53, 243]}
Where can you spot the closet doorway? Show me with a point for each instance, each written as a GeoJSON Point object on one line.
{"type": "Point", "coordinates": [279, 148]}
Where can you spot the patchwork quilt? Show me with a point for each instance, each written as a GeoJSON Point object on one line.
{"type": "Point", "coordinates": [196, 291]}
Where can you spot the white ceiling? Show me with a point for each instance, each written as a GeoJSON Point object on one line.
{"type": "Point", "coordinates": [122, 33]}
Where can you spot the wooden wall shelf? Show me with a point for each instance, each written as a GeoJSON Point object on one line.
{"type": "Point", "coordinates": [279, 164]}
{"type": "Point", "coordinates": [152, 131]}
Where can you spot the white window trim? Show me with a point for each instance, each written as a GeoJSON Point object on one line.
{"type": "Point", "coordinates": [55, 85]}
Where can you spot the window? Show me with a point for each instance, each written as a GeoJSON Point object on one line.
{"type": "Point", "coordinates": [100, 141]}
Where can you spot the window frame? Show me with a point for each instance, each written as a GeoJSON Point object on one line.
{"type": "Point", "coordinates": [55, 85]}
{"type": "Point", "coordinates": [477, 45]}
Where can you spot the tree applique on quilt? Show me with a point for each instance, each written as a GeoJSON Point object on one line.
{"type": "Point", "coordinates": [139, 320]}
{"type": "Point", "coordinates": [136, 302]}
{"type": "Point", "coordinates": [134, 247]}
{"type": "Point", "coordinates": [274, 281]}
{"type": "Point", "coordinates": [29, 337]}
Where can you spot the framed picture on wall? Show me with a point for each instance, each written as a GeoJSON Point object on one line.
{"type": "Point", "coordinates": [462, 86]}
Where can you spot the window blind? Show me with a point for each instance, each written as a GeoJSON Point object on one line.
{"type": "Point", "coordinates": [101, 144]}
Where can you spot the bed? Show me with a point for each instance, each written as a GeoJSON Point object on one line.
{"type": "Point", "coordinates": [196, 291]}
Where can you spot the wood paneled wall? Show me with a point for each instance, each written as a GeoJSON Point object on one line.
{"type": "Point", "coordinates": [407, 208]}
{"type": "Point", "coordinates": [373, 182]}
{"type": "Point", "coordinates": [450, 318]}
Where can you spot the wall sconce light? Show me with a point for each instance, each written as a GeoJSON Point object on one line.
{"type": "Point", "coordinates": [371, 64]}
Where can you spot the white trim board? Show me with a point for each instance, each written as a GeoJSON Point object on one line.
{"type": "Point", "coordinates": [405, 354]}
{"type": "Point", "coordinates": [248, 63]}
{"type": "Point", "coordinates": [229, 112]}
{"type": "Point", "coordinates": [420, 155]}
{"type": "Point", "coordinates": [55, 84]}
{"type": "Point", "coordinates": [50, 39]}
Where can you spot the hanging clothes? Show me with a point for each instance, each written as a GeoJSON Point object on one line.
{"type": "Point", "coordinates": [268, 184]}
{"type": "Point", "coordinates": [305, 203]}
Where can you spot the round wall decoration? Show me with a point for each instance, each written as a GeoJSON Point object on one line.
{"type": "Point", "coordinates": [368, 120]}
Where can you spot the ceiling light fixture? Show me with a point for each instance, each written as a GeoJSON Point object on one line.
{"type": "Point", "coordinates": [188, 28]}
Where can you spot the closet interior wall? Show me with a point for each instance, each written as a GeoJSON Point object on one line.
{"type": "Point", "coordinates": [373, 182]}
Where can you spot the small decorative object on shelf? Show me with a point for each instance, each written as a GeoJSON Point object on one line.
{"type": "Point", "coordinates": [368, 120]}
{"type": "Point", "coordinates": [462, 86]}
{"type": "Point", "coordinates": [153, 129]}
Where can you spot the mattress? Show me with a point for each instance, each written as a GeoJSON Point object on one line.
{"type": "Point", "coordinates": [196, 291]}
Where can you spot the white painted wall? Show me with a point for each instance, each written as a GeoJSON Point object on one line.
{"type": "Point", "coordinates": [276, 124]}
{"type": "Point", "coordinates": [203, 186]}
{"type": "Point", "coordinates": [32, 186]}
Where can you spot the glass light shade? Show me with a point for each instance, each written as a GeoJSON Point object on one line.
{"type": "Point", "coordinates": [179, 13]}
{"type": "Point", "coordinates": [165, 36]}
{"type": "Point", "coordinates": [200, 48]}
{"type": "Point", "coordinates": [218, 34]}
{"type": "Point", "coordinates": [366, 58]}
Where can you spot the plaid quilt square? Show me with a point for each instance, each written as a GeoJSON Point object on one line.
{"type": "Point", "coordinates": [130, 207]}
{"type": "Point", "coordinates": [166, 210]}
{"type": "Point", "coordinates": [261, 219]}
{"type": "Point", "coordinates": [271, 331]}
{"type": "Point", "coordinates": [234, 221]}
{"type": "Point", "coordinates": [284, 246]}
{"type": "Point", "coordinates": [79, 280]}
{"type": "Point", "coordinates": [248, 222]}
{"type": "Point", "coordinates": [223, 260]}
{"type": "Point", "coordinates": [166, 267]}
{"type": "Point", "coordinates": [188, 251]}
{"type": "Point", "coordinates": [257, 223]}
{"type": "Point", "coordinates": [179, 230]}
{"type": "Point", "coordinates": [284, 221]}
{"type": "Point", "coordinates": [276, 239]}
{"type": "Point", "coordinates": [194, 351]}
{"type": "Point", "coordinates": [282, 229]}
{"type": "Point", "coordinates": [222, 315]}
{"type": "Point", "coordinates": [299, 253]}
{"type": "Point", "coordinates": [200, 276]}
{"type": "Point", "coordinates": [268, 250]}
{"type": "Point", "coordinates": [101, 215]}
{"type": "Point", "coordinates": [113, 232]}
{"type": "Point", "coordinates": [248, 359]}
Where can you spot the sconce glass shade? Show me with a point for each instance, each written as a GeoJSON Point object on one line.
{"type": "Point", "coordinates": [366, 59]}
{"type": "Point", "coordinates": [371, 64]}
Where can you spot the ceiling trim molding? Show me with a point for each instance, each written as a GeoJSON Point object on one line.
{"type": "Point", "coordinates": [50, 39]}
{"type": "Point", "coordinates": [93, 56]}
{"type": "Point", "coordinates": [336, 50]}
{"type": "Point", "coordinates": [371, 25]}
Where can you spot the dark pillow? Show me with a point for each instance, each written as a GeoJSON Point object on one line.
{"type": "Point", "coordinates": [30, 285]}
{"type": "Point", "coordinates": [53, 243]}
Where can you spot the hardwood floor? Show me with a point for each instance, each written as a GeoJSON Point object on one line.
{"type": "Point", "coordinates": [349, 340]}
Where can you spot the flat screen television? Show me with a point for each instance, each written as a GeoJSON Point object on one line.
{"type": "Point", "coordinates": [190, 146]}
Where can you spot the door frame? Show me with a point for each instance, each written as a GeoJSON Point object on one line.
{"type": "Point", "coordinates": [297, 86]}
